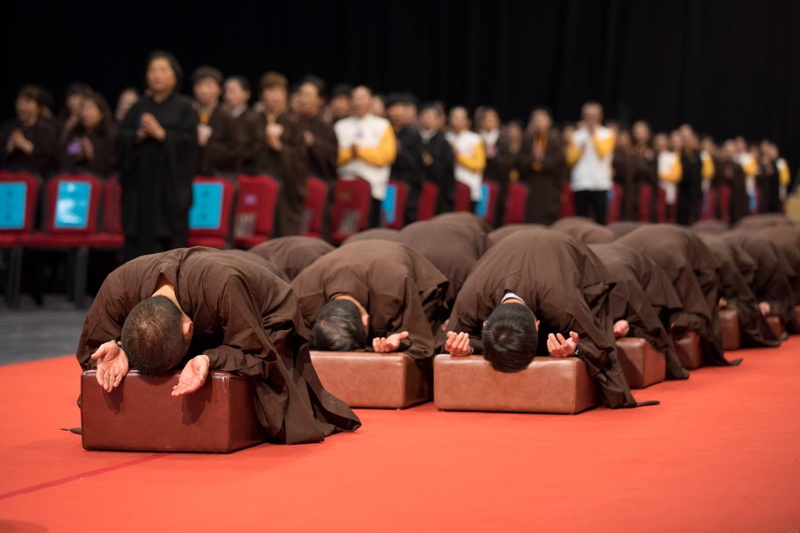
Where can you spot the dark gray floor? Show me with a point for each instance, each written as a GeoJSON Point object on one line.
{"type": "Point", "coordinates": [32, 332]}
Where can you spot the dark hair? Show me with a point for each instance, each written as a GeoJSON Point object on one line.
{"type": "Point", "coordinates": [342, 89]}
{"type": "Point", "coordinates": [35, 93]}
{"type": "Point", "coordinates": [207, 71]}
{"type": "Point", "coordinates": [339, 328]}
{"type": "Point", "coordinates": [242, 81]}
{"type": "Point", "coordinates": [272, 79]}
{"type": "Point", "coordinates": [173, 63]}
{"type": "Point", "coordinates": [152, 336]}
{"type": "Point", "coordinates": [107, 123]}
{"type": "Point", "coordinates": [317, 82]}
{"type": "Point", "coordinates": [510, 337]}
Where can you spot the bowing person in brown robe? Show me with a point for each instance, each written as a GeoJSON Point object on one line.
{"type": "Point", "coordinates": [542, 167]}
{"type": "Point", "coordinates": [293, 254]}
{"type": "Point", "coordinates": [218, 133]}
{"type": "Point", "coordinates": [584, 229]}
{"type": "Point", "coordinates": [538, 292]}
{"type": "Point", "coordinates": [373, 294]}
{"type": "Point", "coordinates": [211, 310]}
{"type": "Point", "coordinates": [693, 273]}
{"type": "Point", "coordinates": [282, 153]}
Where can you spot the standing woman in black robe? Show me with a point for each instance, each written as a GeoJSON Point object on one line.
{"type": "Point", "coordinates": [158, 156]}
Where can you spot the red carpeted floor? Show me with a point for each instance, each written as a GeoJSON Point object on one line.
{"type": "Point", "coordinates": [721, 453]}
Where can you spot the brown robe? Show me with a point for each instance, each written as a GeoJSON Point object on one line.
{"type": "Point", "coordinates": [44, 136]}
{"type": "Point", "coordinates": [693, 273]}
{"type": "Point", "coordinates": [624, 227]}
{"type": "Point", "coordinates": [625, 166]}
{"type": "Point", "coordinates": [501, 233]}
{"type": "Point", "coordinates": [729, 173]}
{"type": "Point", "coordinates": [246, 321]}
{"type": "Point", "coordinates": [735, 268]}
{"type": "Point", "coordinates": [257, 259]}
{"type": "Point", "coordinates": [642, 296]}
{"type": "Point", "coordinates": [248, 123]}
{"type": "Point", "coordinates": [289, 165]}
{"type": "Point", "coordinates": [223, 152]}
{"type": "Point", "coordinates": [323, 153]}
{"type": "Point", "coordinates": [104, 159]}
{"type": "Point", "coordinates": [787, 239]}
{"type": "Point", "coordinates": [452, 248]}
{"type": "Point", "coordinates": [564, 285]}
{"type": "Point", "coordinates": [381, 234]}
{"type": "Point", "coordinates": [584, 229]}
{"type": "Point", "coordinates": [544, 178]}
{"type": "Point", "coordinates": [400, 289]}
{"type": "Point", "coordinates": [468, 219]}
{"type": "Point", "coordinates": [293, 254]}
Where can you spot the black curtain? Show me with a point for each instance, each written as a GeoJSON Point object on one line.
{"type": "Point", "coordinates": [728, 68]}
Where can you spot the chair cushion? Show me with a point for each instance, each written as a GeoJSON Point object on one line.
{"type": "Point", "coordinates": [689, 350]}
{"type": "Point", "coordinates": [548, 385]}
{"type": "Point", "coordinates": [641, 363]}
{"type": "Point", "coordinates": [731, 330]}
{"type": "Point", "coordinates": [777, 325]}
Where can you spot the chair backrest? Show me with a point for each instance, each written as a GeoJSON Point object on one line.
{"type": "Point", "coordinates": [19, 196]}
{"type": "Point", "coordinates": [516, 203]}
{"type": "Point", "coordinates": [428, 198]}
{"type": "Point", "coordinates": [213, 201]}
{"type": "Point", "coordinates": [255, 210]}
{"type": "Point", "coordinates": [112, 206]}
{"type": "Point", "coordinates": [463, 197]}
{"type": "Point", "coordinates": [314, 209]}
{"type": "Point", "coordinates": [615, 203]}
{"type": "Point", "coordinates": [393, 207]}
{"type": "Point", "coordinates": [352, 198]}
{"type": "Point", "coordinates": [567, 201]}
{"type": "Point", "coordinates": [722, 206]}
{"type": "Point", "coordinates": [646, 201]}
{"type": "Point", "coordinates": [486, 206]}
{"type": "Point", "coordinates": [72, 203]}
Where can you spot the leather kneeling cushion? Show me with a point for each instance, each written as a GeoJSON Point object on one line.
{"type": "Point", "coordinates": [731, 330]}
{"type": "Point", "coordinates": [690, 352]}
{"type": "Point", "coordinates": [776, 324]}
{"type": "Point", "coordinates": [642, 364]}
{"type": "Point", "coordinates": [141, 415]}
{"type": "Point", "coordinates": [548, 385]}
{"type": "Point", "coordinates": [368, 379]}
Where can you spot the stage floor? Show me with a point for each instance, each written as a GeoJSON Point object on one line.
{"type": "Point", "coordinates": [721, 453]}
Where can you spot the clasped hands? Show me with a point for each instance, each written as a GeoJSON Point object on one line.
{"type": "Point", "coordinates": [150, 127]}
{"type": "Point", "coordinates": [112, 366]}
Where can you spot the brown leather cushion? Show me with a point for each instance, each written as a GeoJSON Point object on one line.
{"type": "Point", "coordinates": [731, 331]}
{"type": "Point", "coordinates": [642, 364]}
{"type": "Point", "coordinates": [776, 324]}
{"type": "Point", "coordinates": [689, 350]}
{"type": "Point", "coordinates": [548, 385]}
{"type": "Point", "coordinates": [141, 415]}
{"type": "Point", "coordinates": [797, 314]}
{"type": "Point", "coordinates": [367, 379]}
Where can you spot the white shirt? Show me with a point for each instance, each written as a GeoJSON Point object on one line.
{"type": "Point", "coordinates": [367, 132]}
{"type": "Point", "coordinates": [466, 143]}
{"type": "Point", "coordinates": [591, 172]}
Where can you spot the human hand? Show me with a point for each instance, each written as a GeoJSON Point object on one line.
{"type": "Point", "coordinates": [457, 344]}
{"type": "Point", "coordinates": [390, 343]}
{"type": "Point", "coordinates": [308, 137]}
{"type": "Point", "coordinates": [621, 328]}
{"type": "Point", "coordinates": [765, 308]}
{"type": "Point", "coordinates": [87, 148]}
{"type": "Point", "coordinates": [558, 346]}
{"type": "Point", "coordinates": [152, 127]}
{"type": "Point", "coordinates": [204, 132]}
{"type": "Point", "coordinates": [112, 365]}
{"type": "Point", "coordinates": [192, 376]}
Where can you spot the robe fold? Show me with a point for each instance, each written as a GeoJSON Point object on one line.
{"type": "Point", "coordinates": [293, 254]}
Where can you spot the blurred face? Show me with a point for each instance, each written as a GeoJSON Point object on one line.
{"type": "Point", "coordinates": [641, 132]}
{"type": "Point", "coordinates": [377, 107]}
{"type": "Point", "coordinates": [340, 105]}
{"type": "Point", "coordinates": [514, 133]}
{"type": "Point", "coordinates": [27, 109]}
{"type": "Point", "coordinates": [430, 120]}
{"type": "Point", "coordinates": [309, 99]}
{"type": "Point", "coordinates": [74, 103]}
{"type": "Point", "coordinates": [541, 121]}
{"type": "Point", "coordinates": [207, 92]}
{"type": "Point", "coordinates": [592, 115]}
{"type": "Point", "coordinates": [660, 142]}
{"type": "Point", "coordinates": [161, 78]}
{"type": "Point", "coordinates": [708, 145]}
{"type": "Point", "coordinates": [235, 95]}
{"type": "Point", "coordinates": [459, 120]}
{"type": "Point", "coordinates": [491, 121]}
{"type": "Point", "coordinates": [624, 139]}
{"type": "Point", "coordinates": [362, 101]}
{"type": "Point", "coordinates": [676, 141]}
{"type": "Point", "coordinates": [90, 114]}
{"type": "Point", "coordinates": [274, 98]}
{"type": "Point", "coordinates": [396, 114]}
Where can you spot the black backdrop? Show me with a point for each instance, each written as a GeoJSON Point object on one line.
{"type": "Point", "coordinates": [727, 67]}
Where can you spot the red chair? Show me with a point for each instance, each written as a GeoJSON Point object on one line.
{"type": "Point", "coordinates": [71, 207]}
{"type": "Point", "coordinates": [111, 237]}
{"type": "Point", "coordinates": [19, 196]}
{"type": "Point", "coordinates": [463, 198]}
{"type": "Point", "coordinates": [723, 193]}
{"type": "Point", "coordinates": [615, 204]}
{"type": "Point", "coordinates": [352, 198]}
{"type": "Point", "coordinates": [211, 214]}
{"type": "Point", "coordinates": [393, 207]}
{"type": "Point", "coordinates": [487, 205]}
{"type": "Point", "coordinates": [255, 211]}
{"type": "Point", "coordinates": [428, 198]}
{"type": "Point", "coordinates": [516, 203]}
{"type": "Point", "coordinates": [313, 221]}
{"type": "Point", "coordinates": [645, 197]}
{"type": "Point", "coordinates": [567, 201]}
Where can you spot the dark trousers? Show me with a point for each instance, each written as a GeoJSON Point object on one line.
{"type": "Point", "coordinates": [594, 202]}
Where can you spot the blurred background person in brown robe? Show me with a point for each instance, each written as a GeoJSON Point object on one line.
{"type": "Point", "coordinates": [31, 140]}
{"type": "Point", "coordinates": [542, 168]}
{"type": "Point", "coordinates": [236, 101]}
{"type": "Point", "coordinates": [157, 147]}
{"type": "Point", "coordinates": [729, 173]}
{"type": "Point", "coordinates": [91, 144]}
{"type": "Point", "coordinates": [203, 310]}
{"type": "Point", "coordinates": [70, 115]}
{"type": "Point", "coordinates": [339, 105]}
{"type": "Point", "coordinates": [437, 156]}
{"type": "Point", "coordinates": [401, 109]}
{"type": "Point", "coordinates": [318, 135]}
{"type": "Point", "coordinates": [645, 164]}
{"type": "Point", "coordinates": [282, 151]}
{"type": "Point", "coordinates": [218, 134]}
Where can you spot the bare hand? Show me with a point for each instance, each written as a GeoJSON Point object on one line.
{"type": "Point", "coordinates": [765, 308]}
{"type": "Point", "coordinates": [112, 365]}
{"type": "Point", "coordinates": [152, 127]}
{"type": "Point", "coordinates": [621, 328]}
{"type": "Point", "coordinates": [309, 138]}
{"type": "Point", "coordinates": [87, 148]}
{"type": "Point", "coordinates": [558, 346]}
{"type": "Point", "coordinates": [193, 376]}
{"type": "Point", "coordinates": [390, 343]}
{"type": "Point", "coordinates": [457, 344]}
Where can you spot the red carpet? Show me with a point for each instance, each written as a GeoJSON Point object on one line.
{"type": "Point", "coordinates": [722, 453]}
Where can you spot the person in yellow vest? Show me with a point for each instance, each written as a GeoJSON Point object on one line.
{"type": "Point", "coordinates": [590, 153]}
{"type": "Point", "coordinates": [670, 170]}
{"type": "Point", "coordinates": [469, 151]}
{"type": "Point", "coordinates": [367, 148]}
